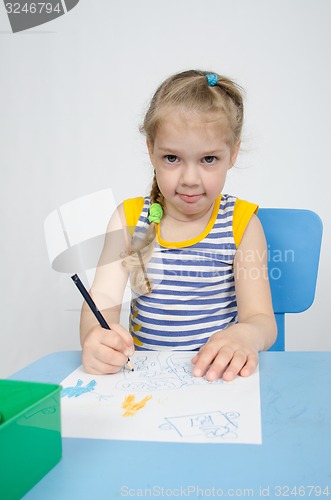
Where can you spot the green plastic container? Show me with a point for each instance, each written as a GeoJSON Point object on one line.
{"type": "Point", "coordinates": [30, 435]}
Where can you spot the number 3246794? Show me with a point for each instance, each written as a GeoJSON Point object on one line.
{"type": "Point", "coordinates": [301, 491]}
{"type": "Point", "coordinates": [33, 8]}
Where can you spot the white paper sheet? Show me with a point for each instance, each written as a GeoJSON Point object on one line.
{"type": "Point", "coordinates": [161, 401]}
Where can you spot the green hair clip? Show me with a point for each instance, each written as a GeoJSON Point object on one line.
{"type": "Point", "coordinates": [155, 213]}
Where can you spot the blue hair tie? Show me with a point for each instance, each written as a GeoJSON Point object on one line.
{"type": "Point", "coordinates": [212, 79]}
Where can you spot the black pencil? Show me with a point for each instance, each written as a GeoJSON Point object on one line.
{"type": "Point", "coordinates": [94, 308]}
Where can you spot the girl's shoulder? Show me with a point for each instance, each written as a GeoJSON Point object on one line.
{"type": "Point", "coordinates": [243, 210]}
{"type": "Point", "coordinates": [132, 210]}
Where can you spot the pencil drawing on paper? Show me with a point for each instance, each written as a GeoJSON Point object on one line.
{"type": "Point", "coordinates": [165, 402]}
{"type": "Point", "coordinates": [210, 425]}
{"type": "Point", "coordinates": [175, 372]}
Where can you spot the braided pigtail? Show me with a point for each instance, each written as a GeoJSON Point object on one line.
{"type": "Point", "coordinates": [142, 248]}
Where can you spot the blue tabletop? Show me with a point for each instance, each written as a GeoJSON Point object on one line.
{"type": "Point", "coordinates": [293, 460]}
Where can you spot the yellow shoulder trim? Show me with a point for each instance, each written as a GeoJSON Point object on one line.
{"type": "Point", "coordinates": [132, 210]}
{"type": "Point", "coordinates": [243, 211]}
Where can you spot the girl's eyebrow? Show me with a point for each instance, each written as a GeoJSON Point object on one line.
{"type": "Point", "coordinates": [214, 152]}
{"type": "Point", "coordinates": [166, 148]}
{"type": "Point", "coordinates": [207, 153]}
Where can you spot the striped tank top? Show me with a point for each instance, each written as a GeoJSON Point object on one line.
{"type": "Point", "coordinates": [193, 293]}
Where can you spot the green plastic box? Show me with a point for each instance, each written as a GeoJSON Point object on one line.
{"type": "Point", "coordinates": [30, 435]}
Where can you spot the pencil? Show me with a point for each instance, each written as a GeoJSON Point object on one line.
{"type": "Point", "coordinates": [94, 308]}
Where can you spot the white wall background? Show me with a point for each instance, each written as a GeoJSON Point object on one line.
{"type": "Point", "coordinates": [73, 93]}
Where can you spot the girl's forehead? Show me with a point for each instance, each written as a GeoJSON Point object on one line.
{"type": "Point", "coordinates": [180, 115]}
{"type": "Point", "coordinates": [181, 122]}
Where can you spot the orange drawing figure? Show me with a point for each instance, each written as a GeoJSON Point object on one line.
{"type": "Point", "coordinates": [132, 406]}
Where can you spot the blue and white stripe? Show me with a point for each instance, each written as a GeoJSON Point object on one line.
{"type": "Point", "coordinates": [193, 292]}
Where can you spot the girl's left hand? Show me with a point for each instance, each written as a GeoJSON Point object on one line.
{"type": "Point", "coordinates": [226, 355]}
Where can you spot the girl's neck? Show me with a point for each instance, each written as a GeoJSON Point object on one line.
{"type": "Point", "coordinates": [193, 218]}
{"type": "Point", "coordinates": [173, 228]}
{"type": "Point", "coordinates": [190, 217]}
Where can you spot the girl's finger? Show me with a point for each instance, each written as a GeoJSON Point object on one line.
{"type": "Point", "coordinates": [223, 360]}
{"type": "Point", "coordinates": [250, 366]}
{"type": "Point", "coordinates": [237, 362]}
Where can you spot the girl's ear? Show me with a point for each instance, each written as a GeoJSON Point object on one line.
{"type": "Point", "coordinates": [234, 153]}
{"type": "Point", "coordinates": [150, 150]}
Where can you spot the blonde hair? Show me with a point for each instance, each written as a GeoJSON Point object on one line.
{"type": "Point", "coordinates": [190, 91]}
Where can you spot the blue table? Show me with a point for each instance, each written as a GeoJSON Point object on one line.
{"type": "Point", "coordinates": [293, 461]}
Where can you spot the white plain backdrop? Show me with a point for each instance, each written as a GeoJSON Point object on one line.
{"type": "Point", "coordinates": [73, 93]}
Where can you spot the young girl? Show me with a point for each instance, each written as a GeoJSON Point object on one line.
{"type": "Point", "coordinates": [196, 258]}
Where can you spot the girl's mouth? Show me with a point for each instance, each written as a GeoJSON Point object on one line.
{"type": "Point", "coordinates": [190, 198]}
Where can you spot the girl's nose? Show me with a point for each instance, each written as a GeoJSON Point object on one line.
{"type": "Point", "coordinates": [190, 175]}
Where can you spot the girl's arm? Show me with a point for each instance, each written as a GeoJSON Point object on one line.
{"type": "Point", "coordinates": [234, 350]}
{"type": "Point", "coordinates": [107, 351]}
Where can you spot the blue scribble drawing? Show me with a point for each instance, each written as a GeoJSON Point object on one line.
{"type": "Point", "coordinates": [211, 425]}
{"type": "Point", "coordinates": [174, 373]}
{"type": "Point", "coordinates": [141, 363]}
{"type": "Point", "coordinates": [182, 369]}
{"type": "Point", "coordinates": [79, 389]}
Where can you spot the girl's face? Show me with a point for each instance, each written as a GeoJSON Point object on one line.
{"type": "Point", "coordinates": [191, 157]}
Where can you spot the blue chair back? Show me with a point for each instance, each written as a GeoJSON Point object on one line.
{"type": "Point", "coordinates": [294, 242]}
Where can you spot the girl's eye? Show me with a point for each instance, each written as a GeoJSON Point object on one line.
{"type": "Point", "coordinates": [171, 158]}
{"type": "Point", "coordinates": [209, 159]}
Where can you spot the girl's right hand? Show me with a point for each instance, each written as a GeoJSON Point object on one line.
{"type": "Point", "coordinates": [106, 351]}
